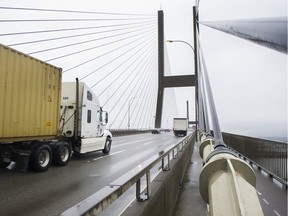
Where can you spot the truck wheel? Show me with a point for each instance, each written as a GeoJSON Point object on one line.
{"type": "Point", "coordinates": [107, 147]}
{"type": "Point", "coordinates": [62, 154]}
{"type": "Point", "coordinates": [41, 157]}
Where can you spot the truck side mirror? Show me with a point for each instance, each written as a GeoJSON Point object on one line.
{"type": "Point", "coordinates": [103, 118]}
{"type": "Point", "coordinates": [100, 117]}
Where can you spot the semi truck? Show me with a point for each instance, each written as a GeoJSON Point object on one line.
{"type": "Point", "coordinates": [180, 126]}
{"type": "Point", "coordinates": [42, 120]}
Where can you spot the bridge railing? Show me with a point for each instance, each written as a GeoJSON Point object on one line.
{"type": "Point", "coordinates": [270, 156]}
{"type": "Point", "coordinates": [100, 200]}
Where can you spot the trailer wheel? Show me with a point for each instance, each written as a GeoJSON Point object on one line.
{"type": "Point", "coordinates": [62, 154]}
{"type": "Point", "coordinates": [107, 147]}
{"type": "Point", "coordinates": [41, 157]}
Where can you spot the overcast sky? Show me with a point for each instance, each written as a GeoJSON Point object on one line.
{"type": "Point", "coordinates": [249, 81]}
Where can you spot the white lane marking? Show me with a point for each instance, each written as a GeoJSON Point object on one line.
{"type": "Point", "coordinates": [127, 143]}
{"type": "Point", "coordinates": [276, 213]}
{"type": "Point", "coordinates": [115, 153]}
{"type": "Point", "coordinates": [148, 143]}
{"type": "Point", "coordinates": [266, 201]}
{"type": "Point", "coordinates": [260, 194]}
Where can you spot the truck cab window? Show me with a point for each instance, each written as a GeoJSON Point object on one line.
{"type": "Point", "coordinates": [89, 96]}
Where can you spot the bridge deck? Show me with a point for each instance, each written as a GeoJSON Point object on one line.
{"type": "Point", "coordinates": [190, 201]}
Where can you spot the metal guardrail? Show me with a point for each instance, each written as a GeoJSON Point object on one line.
{"type": "Point", "coordinates": [269, 156]}
{"type": "Point", "coordinates": [98, 201]}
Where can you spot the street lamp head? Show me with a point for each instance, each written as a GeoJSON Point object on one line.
{"type": "Point", "coordinates": [181, 41]}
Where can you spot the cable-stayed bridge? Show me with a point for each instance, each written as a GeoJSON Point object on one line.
{"type": "Point", "coordinates": [123, 58]}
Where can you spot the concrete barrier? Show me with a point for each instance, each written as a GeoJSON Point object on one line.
{"type": "Point", "coordinates": [166, 187]}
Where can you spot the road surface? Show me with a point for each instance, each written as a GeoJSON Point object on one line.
{"type": "Point", "coordinates": [52, 192]}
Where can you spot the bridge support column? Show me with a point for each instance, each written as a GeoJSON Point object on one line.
{"type": "Point", "coordinates": [227, 183]}
{"type": "Point", "coordinates": [159, 107]}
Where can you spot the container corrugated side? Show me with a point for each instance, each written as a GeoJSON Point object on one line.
{"type": "Point", "coordinates": [30, 92]}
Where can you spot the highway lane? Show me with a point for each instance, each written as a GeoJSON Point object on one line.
{"type": "Point", "coordinates": [52, 192]}
{"type": "Point", "coordinates": [272, 197]}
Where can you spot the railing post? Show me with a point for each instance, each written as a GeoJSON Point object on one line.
{"type": "Point", "coordinates": [166, 168]}
{"type": "Point", "coordinates": [168, 163]}
{"type": "Point", "coordinates": [175, 156]}
{"type": "Point", "coordinates": [148, 180]}
{"type": "Point", "coordinates": [138, 190]}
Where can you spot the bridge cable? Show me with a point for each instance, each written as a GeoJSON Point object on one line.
{"type": "Point", "coordinates": [129, 43]}
{"type": "Point", "coordinates": [88, 41]}
{"type": "Point", "coordinates": [105, 44]}
{"type": "Point", "coordinates": [73, 11]}
{"type": "Point", "coordinates": [110, 61]}
{"type": "Point", "coordinates": [140, 87]}
{"type": "Point", "coordinates": [127, 85]}
{"type": "Point", "coordinates": [204, 99]}
{"type": "Point", "coordinates": [72, 29]}
{"type": "Point", "coordinates": [200, 99]}
{"type": "Point", "coordinates": [153, 104]}
{"type": "Point", "coordinates": [117, 67]}
{"type": "Point", "coordinates": [215, 122]}
{"type": "Point", "coordinates": [146, 100]}
{"type": "Point", "coordinates": [143, 74]}
{"type": "Point", "coordinates": [78, 35]}
{"type": "Point", "coordinates": [144, 91]}
{"type": "Point", "coordinates": [69, 20]}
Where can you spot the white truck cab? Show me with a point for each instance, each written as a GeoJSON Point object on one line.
{"type": "Point", "coordinates": [89, 131]}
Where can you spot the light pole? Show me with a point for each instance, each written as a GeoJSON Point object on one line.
{"type": "Point", "coordinates": [130, 101]}
{"type": "Point", "coordinates": [196, 75]}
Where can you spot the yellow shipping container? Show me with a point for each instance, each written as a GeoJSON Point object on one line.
{"type": "Point", "coordinates": [30, 92]}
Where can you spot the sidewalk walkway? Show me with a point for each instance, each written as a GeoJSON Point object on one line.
{"type": "Point", "coordinates": [190, 201]}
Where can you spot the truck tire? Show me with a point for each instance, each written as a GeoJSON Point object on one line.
{"type": "Point", "coordinates": [107, 146]}
{"type": "Point", "coordinates": [61, 154]}
{"type": "Point", "coordinates": [40, 158]}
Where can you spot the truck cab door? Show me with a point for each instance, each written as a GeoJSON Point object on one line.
{"type": "Point", "coordinates": [90, 125]}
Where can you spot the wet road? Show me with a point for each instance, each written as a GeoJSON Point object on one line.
{"type": "Point", "coordinates": [272, 197]}
{"type": "Point", "coordinates": [52, 192]}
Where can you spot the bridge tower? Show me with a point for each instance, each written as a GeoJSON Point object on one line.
{"type": "Point", "coordinates": [167, 81]}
